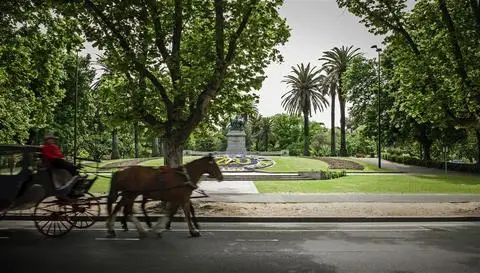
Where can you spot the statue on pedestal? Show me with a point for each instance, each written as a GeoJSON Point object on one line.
{"type": "Point", "coordinates": [237, 124]}
{"type": "Point", "coordinates": [236, 136]}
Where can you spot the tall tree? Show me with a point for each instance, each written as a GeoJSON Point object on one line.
{"type": "Point", "coordinates": [203, 58]}
{"type": "Point", "coordinates": [305, 96]}
{"type": "Point", "coordinates": [336, 63]}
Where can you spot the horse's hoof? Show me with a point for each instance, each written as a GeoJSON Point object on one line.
{"type": "Point", "coordinates": [195, 233]}
{"type": "Point", "coordinates": [159, 234]}
{"type": "Point", "coordinates": [111, 234]}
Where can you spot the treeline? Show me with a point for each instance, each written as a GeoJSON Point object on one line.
{"type": "Point", "coordinates": [430, 84]}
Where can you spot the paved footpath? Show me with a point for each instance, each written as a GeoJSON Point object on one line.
{"type": "Point", "coordinates": [343, 197]}
{"type": "Point", "coordinates": [247, 247]}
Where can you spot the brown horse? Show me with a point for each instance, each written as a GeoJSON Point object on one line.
{"type": "Point", "coordinates": [174, 187]}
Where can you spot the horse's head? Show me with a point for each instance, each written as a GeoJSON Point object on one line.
{"type": "Point", "coordinates": [212, 168]}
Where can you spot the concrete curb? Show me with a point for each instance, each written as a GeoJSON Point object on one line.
{"type": "Point", "coordinates": [274, 219]}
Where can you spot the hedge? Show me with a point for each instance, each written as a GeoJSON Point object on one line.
{"type": "Point", "coordinates": [458, 167]}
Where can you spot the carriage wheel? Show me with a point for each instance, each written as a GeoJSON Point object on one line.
{"type": "Point", "coordinates": [85, 209]}
{"type": "Point", "coordinates": [51, 217]}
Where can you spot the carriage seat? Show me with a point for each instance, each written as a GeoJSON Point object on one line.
{"type": "Point", "coordinates": [60, 177]}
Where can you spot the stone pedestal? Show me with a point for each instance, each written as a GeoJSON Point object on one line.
{"type": "Point", "coordinates": [236, 142]}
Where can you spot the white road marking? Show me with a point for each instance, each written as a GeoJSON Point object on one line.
{"type": "Point", "coordinates": [117, 239]}
{"type": "Point", "coordinates": [257, 240]}
{"type": "Point", "coordinates": [276, 230]}
{"type": "Point", "coordinates": [4, 238]}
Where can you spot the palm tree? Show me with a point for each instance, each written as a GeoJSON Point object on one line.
{"type": "Point", "coordinates": [330, 84]}
{"type": "Point", "coordinates": [336, 63]}
{"type": "Point", "coordinates": [306, 92]}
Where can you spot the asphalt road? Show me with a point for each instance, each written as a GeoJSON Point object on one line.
{"type": "Point", "coordinates": [263, 248]}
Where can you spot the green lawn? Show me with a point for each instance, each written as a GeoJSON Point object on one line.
{"type": "Point", "coordinates": [295, 164]}
{"type": "Point", "coordinates": [377, 184]}
{"type": "Point", "coordinates": [359, 184]}
{"type": "Point", "coordinates": [101, 185]}
{"type": "Point", "coordinates": [159, 161]}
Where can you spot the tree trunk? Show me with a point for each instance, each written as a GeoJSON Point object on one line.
{"type": "Point", "coordinates": [426, 142]}
{"type": "Point", "coordinates": [135, 132]}
{"type": "Point", "coordinates": [343, 142]}
{"type": "Point", "coordinates": [155, 148]}
{"type": "Point", "coordinates": [426, 150]}
{"type": "Point", "coordinates": [477, 133]}
{"type": "Point", "coordinates": [173, 152]}
{"type": "Point", "coordinates": [115, 153]}
{"type": "Point", "coordinates": [306, 135]}
{"type": "Point", "coordinates": [266, 142]}
{"type": "Point", "coordinates": [333, 151]}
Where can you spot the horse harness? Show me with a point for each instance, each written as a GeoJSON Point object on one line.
{"type": "Point", "coordinates": [187, 183]}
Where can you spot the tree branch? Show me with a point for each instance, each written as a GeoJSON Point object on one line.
{"type": "Point", "coordinates": [396, 28]}
{"type": "Point", "coordinates": [402, 30]}
{"type": "Point", "coordinates": [131, 54]}
{"type": "Point", "coordinates": [457, 53]}
{"type": "Point", "coordinates": [177, 36]}
{"type": "Point", "coordinates": [159, 37]}
{"type": "Point", "coordinates": [146, 117]}
{"type": "Point", "coordinates": [475, 4]}
{"type": "Point", "coordinates": [215, 84]}
{"type": "Point", "coordinates": [233, 40]}
{"type": "Point", "coordinates": [219, 32]}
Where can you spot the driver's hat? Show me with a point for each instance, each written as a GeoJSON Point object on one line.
{"type": "Point", "coordinates": [49, 136]}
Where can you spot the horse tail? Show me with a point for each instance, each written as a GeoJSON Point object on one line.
{"type": "Point", "coordinates": [113, 193]}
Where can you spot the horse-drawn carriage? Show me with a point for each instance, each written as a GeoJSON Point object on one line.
{"type": "Point", "coordinates": [27, 184]}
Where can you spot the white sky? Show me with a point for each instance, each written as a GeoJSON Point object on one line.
{"type": "Point", "coordinates": [316, 26]}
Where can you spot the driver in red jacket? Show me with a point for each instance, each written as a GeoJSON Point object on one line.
{"type": "Point", "coordinates": [54, 158]}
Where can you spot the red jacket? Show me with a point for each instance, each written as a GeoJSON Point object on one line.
{"type": "Point", "coordinates": [51, 151]}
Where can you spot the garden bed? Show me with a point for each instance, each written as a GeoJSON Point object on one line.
{"type": "Point", "coordinates": [336, 163]}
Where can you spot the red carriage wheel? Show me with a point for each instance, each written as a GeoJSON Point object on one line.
{"type": "Point", "coordinates": [51, 217]}
{"type": "Point", "coordinates": [85, 210]}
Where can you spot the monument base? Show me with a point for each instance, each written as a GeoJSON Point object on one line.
{"type": "Point", "coordinates": [236, 142]}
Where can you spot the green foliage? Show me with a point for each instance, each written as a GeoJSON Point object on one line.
{"type": "Point", "coordinates": [459, 167]}
{"type": "Point", "coordinates": [34, 43]}
{"type": "Point", "coordinates": [202, 59]}
{"type": "Point", "coordinates": [430, 85]}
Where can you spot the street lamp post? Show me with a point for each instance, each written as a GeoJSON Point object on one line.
{"type": "Point", "coordinates": [75, 115]}
{"type": "Point", "coordinates": [378, 106]}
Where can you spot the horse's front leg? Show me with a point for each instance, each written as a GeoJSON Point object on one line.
{"type": "Point", "coordinates": [159, 227]}
{"type": "Point", "coordinates": [129, 211]}
{"type": "Point", "coordinates": [144, 210]}
{"type": "Point", "coordinates": [110, 219]}
{"type": "Point", "coordinates": [186, 210]}
{"type": "Point", "coordinates": [194, 218]}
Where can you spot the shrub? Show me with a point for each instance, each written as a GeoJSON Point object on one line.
{"type": "Point", "coordinates": [408, 160]}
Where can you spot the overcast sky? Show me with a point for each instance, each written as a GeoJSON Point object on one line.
{"type": "Point", "coordinates": [316, 26]}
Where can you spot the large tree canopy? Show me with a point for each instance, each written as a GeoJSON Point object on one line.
{"type": "Point", "coordinates": [202, 58]}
